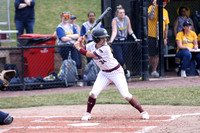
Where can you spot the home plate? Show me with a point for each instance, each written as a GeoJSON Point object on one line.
{"type": "Point", "coordinates": [84, 124]}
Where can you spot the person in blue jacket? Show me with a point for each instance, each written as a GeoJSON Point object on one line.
{"type": "Point", "coordinates": [24, 16]}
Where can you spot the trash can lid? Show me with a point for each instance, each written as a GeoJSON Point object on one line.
{"type": "Point", "coordinates": [35, 35]}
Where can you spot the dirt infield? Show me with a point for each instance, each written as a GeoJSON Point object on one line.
{"type": "Point", "coordinates": [105, 118]}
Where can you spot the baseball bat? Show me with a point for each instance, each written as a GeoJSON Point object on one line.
{"type": "Point", "coordinates": [100, 18]}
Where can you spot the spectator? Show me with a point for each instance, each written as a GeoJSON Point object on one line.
{"type": "Point", "coordinates": [153, 35]}
{"type": "Point", "coordinates": [24, 16]}
{"type": "Point", "coordinates": [72, 21]}
{"type": "Point", "coordinates": [121, 25]}
{"type": "Point", "coordinates": [183, 13]}
{"type": "Point", "coordinates": [186, 45]}
{"type": "Point", "coordinates": [85, 28]}
{"type": "Point", "coordinates": [66, 37]}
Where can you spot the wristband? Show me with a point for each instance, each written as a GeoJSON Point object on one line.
{"type": "Point", "coordinates": [83, 51]}
{"type": "Point", "coordinates": [133, 35]}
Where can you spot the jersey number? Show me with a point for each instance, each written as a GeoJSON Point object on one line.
{"type": "Point", "coordinates": [102, 61]}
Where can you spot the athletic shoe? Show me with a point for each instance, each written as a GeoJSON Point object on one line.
{"type": "Point", "coordinates": [86, 117]}
{"type": "Point", "coordinates": [128, 74]}
{"type": "Point", "coordinates": [155, 74]}
{"type": "Point", "coordinates": [198, 71]}
{"type": "Point", "coordinates": [145, 115]}
{"type": "Point", "coordinates": [183, 74]}
{"type": "Point", "coordinates": [79, 84]}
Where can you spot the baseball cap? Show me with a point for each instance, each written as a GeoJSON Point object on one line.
{"type": "Point", "coordinates": [72, 17]}
{"type": "Point", "coordinates": [186, 23]}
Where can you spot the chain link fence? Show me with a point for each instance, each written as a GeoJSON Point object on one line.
{"type": "Point", "coordinates": [41, 65]}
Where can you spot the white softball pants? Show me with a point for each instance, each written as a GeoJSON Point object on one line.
{"type": "Point", "coordinates": [105, 78]}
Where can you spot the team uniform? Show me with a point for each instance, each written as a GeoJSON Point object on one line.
{"type": "Point", "coordinates": [76, 27]}
{"type": "Point", "coordinates": [120, 50]}
{"type": "Point", "coordinates": [110, 71]}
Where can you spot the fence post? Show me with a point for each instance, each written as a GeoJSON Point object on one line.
{"type": "Point", "coordinates": [22, 66]}
{"type": "Point", "coordinates": [144, 35]}
{"type": "Point", "coordinates": [160, 41]}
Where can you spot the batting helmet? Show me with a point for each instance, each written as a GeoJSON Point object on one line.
{"type": "Point", "coordinates": [5, 118]}
{"type": "Point", "coordinates": [99, 33]}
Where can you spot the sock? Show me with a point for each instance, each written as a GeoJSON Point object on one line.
{"type": "Point", "coordinates": [134, 102]}
{"type": "Point", "coordinates": [90, 104]}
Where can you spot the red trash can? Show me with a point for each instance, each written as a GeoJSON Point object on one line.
{"type": "Point", "coordinates": [37, 61]}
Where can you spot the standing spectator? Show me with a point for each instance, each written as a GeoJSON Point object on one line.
{"type": "Point", "coordinates": [24, 16]}
{"type": "Point", "coordinates": [67, 36]}
{"type": "Point", "coordinates": [153, 35]}
{"type": "Point", "coordinates": [110, 71]}
{"type": "Point", "coordinates": [183, 13]}
{"type": "Point", "coordinates": [86, 27]}
{"type": "Point", "coordinates": [186, 45]}
{"type": "Point", "coordinates": [121, 25]}
{"type": "Point", "coordinates": [72, 21]}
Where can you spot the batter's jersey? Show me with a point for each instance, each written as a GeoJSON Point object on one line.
{"type": "Point", "coordinates": [86, 27]}
{"type": "Point", "coordinates": [122, 28]}
{"type": "Point", "coordinates": [104, 59]}
{"type": "Point", "coordinates": [187, 40]}
{"type": "Point", "coordinates": [152, 24]}
{"type": "Point", "coordinates": [63, 31]}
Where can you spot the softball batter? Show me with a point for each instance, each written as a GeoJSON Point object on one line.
{"type": "Point", "coordinates": [110, 71]}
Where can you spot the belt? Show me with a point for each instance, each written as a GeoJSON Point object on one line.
{"type": "Point", "coordinates": [110, 70]}
{"type": "Point", "coordinates": [120, 39]}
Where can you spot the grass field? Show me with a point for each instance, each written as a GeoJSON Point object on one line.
{"type": "Point", "coordinates": [185, 96]}
{"type": "Point", "coordinates": [47, 13]}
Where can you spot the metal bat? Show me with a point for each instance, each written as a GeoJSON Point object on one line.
{"type": "Point", "coordinates": [99, 19]}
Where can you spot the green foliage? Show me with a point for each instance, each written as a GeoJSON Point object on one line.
{"type": "Point", "coordinates": [185, 96]}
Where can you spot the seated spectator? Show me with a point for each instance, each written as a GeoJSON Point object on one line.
{"type": "Point", "coordinates": [186, 45]}
{"type": "Point", "coordinates": [184, 14]}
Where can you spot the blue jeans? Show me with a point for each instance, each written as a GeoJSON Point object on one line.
{"type": "Point", "coordinates": [120, 52]}
{"type": "Point", "coordinates": [28, 25]}
{"type": "Point", "coordinates": [75, 55]}
{"type": "Point", "coordinates": [186, 57]}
